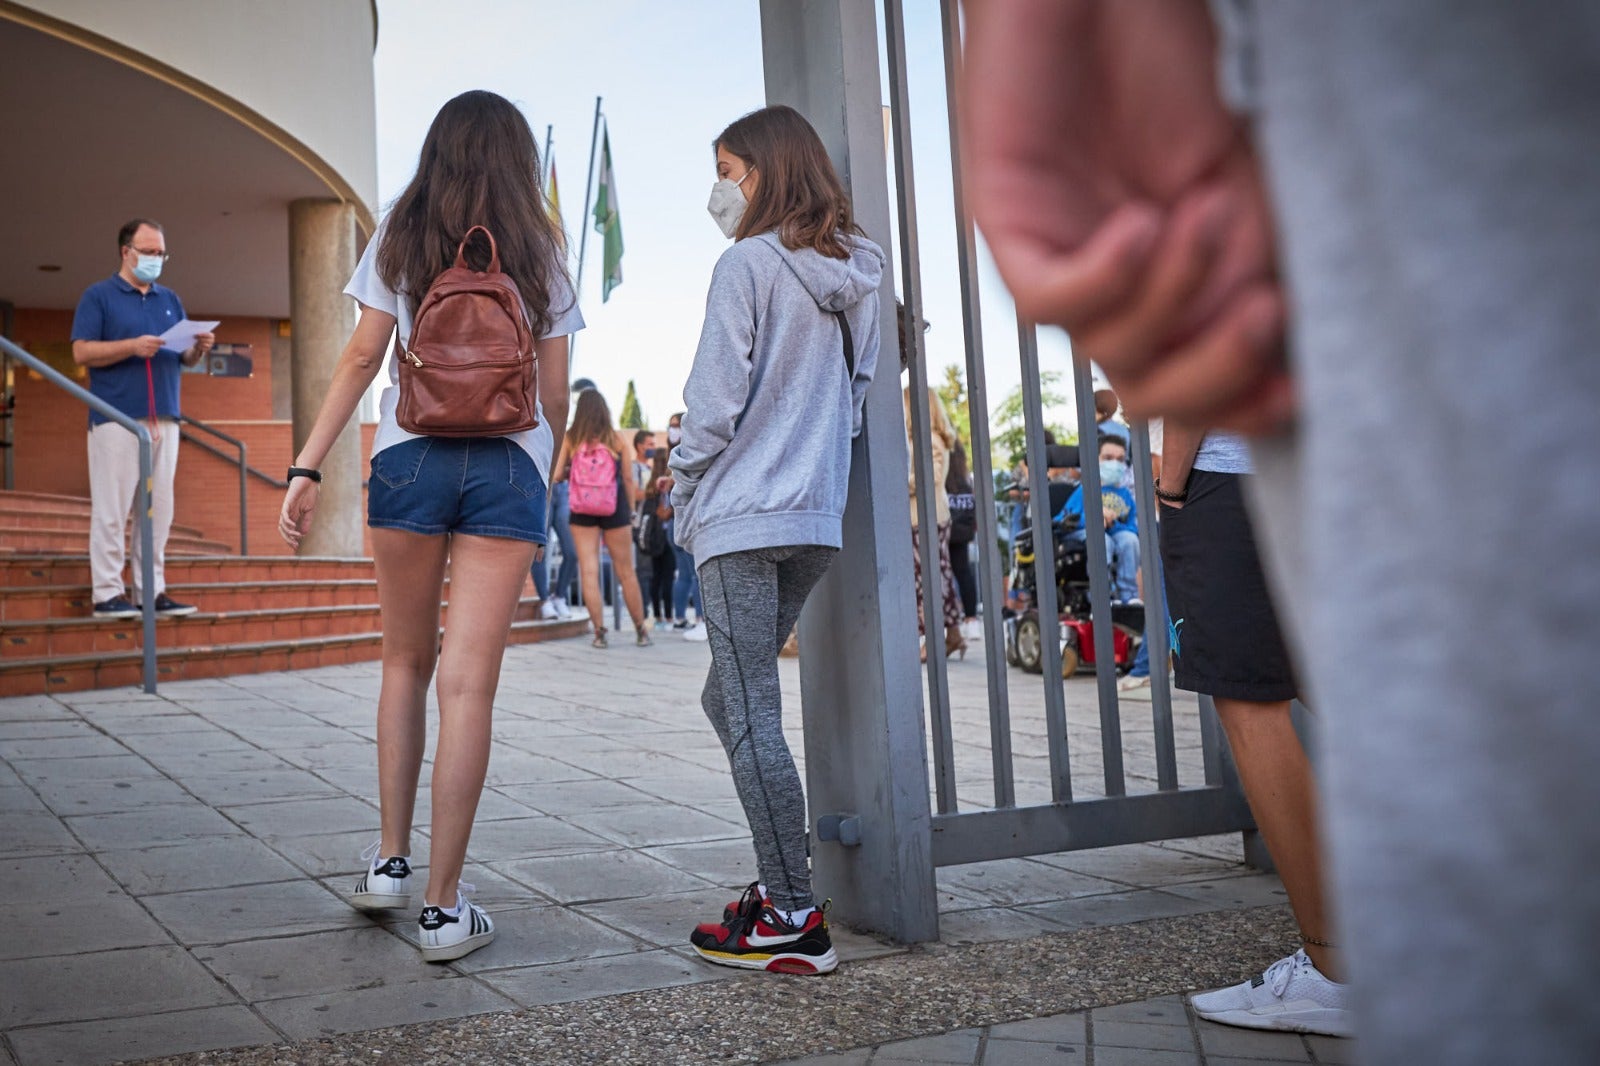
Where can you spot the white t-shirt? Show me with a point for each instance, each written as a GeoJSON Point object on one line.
{"type": "Point", "coordinates": [369, 290]}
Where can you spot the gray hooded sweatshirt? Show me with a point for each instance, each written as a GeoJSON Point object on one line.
{"type": "Point", "coordinates": [771, 410]}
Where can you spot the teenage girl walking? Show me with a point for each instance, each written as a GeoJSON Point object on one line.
{"type": "Point", "coordinates": [474, 504]}
{"type": "Point", "coordinates": [601, 499]}
{"type": "Point", "coordinates": [788, 349]}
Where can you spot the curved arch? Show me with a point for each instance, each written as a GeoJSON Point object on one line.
{"type": "Point", "coordinates": [246, 116]}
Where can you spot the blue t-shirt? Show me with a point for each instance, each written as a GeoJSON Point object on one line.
{"type": "Point", "coordinates": [113, 310]}
{"type": "Point", "coordinates": [1118, 500]}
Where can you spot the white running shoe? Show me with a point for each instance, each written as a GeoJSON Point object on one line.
{"type": "Point", "coordinates": [385, 885]}
{"type": "Point", "coordinates": [696, 632]}
{"type": "Point", "coordinates": [1292, 996]}
{"type": "Point", "coordinates": [548, 612]}
{"type": "Point", "coordinates": [562, 610]}
{"type": "Point", "coordinates": [972, 629]}
{"type": "Point", "coordinates": [444, 937]}
{"type": "Point", "coordinates": [1130, 683]}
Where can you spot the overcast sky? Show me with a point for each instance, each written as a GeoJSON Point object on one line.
{"type": "Point", "coordinates": [672, 76]}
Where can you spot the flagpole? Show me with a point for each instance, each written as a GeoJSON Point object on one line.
{"type": "Point", "coordinates": [588, 193]}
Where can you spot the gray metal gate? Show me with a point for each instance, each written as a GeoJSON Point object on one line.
{"type": "Point", "coordinates": [877, 838]}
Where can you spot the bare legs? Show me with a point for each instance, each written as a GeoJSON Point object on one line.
{"type": "Point", "coordinates": [486, 580]}
{"type": "Point", "coordinates": [619, 542]}
{"type": "Point", "coordinates": [1277, 781]}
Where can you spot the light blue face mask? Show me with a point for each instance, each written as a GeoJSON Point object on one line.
{"type": "Point", "coordinates": [148, 268]}
{"type": "Point", "coordinates": [1112, 471]}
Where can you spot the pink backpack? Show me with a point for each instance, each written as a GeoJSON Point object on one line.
{"type": "Point", "coordinates": [593, 480]}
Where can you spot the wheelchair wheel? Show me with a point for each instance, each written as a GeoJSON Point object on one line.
{"type": "Point", "coordinates": [1030, 649]}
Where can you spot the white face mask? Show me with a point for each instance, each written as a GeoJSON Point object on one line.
{"type": "Point", "coordinates": [727, 204]}
{"type": "Point", "coordinates": [674, 436]}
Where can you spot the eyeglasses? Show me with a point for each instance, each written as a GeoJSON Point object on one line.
{"type": "Point", "coordinates": [157, 253]}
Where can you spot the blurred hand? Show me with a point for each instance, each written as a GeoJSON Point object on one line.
{"type": "Point", "coordinates": [1123, 201]}
{"type": "Point", "coordinates": [147, 346]}
{"type": "Point", "coordinates": [203, 342]}
{"type": "Point", "coordinates": [294, 521]}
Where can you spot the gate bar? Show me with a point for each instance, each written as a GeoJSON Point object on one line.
{"type": "Point", "coordinates": [1155, 612]}
{"type": "Point", "coordinates": [1105, 672]}
{"type": "Point", "coordinates": [921, 431]}
{"type": "Point", "coordinates": [990, 565]}
{"type": "Point", "coordinates": [1044, 563]}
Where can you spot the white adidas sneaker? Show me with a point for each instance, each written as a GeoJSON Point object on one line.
{"type": "Point", "coordinates": [385, 885]}
{"type": "Point", "coordinates": [443, 936]}
{"type": "Point", "coordinates": [1291, 996]}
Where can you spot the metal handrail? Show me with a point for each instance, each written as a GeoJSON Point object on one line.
{"type": "Point", "coordinates": [244, 474]}
{"type": "Point", "coordinates": [144, 501]}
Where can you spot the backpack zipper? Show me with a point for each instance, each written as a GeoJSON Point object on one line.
{"type": "Point", "coordinates": [415, 360]}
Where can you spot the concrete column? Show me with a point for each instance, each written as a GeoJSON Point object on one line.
{"type": "Point", "coordinates": [865, 749]}
{"type": "Point", "coordinates": [322, 256]}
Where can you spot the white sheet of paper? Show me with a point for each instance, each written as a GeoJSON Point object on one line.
{"type": "Point", "coordinates": [180, 338]}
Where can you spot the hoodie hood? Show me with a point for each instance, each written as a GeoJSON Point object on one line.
{"type": "Point", "coordinates": [835, 284]}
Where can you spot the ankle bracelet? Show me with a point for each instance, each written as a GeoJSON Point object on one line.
{"type": "Point", "coordinates": [1314, 941]}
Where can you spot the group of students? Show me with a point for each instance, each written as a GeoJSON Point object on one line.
{"type": "Point", "coordinates": [754, 490]}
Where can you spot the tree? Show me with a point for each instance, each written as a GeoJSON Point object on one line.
{"type": "Point", "coordinates": [953, 391]}
{"type": "Point", "coordinates": [632, 417]}
{"type": "Point", "coordinates": [1009, 443]}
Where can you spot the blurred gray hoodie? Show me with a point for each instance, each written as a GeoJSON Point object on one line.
{"type": "Point", "coordinates": [771, 409]}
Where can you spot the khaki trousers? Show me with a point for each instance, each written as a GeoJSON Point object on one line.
{"type": "Point", "coordinates": [113, 487]}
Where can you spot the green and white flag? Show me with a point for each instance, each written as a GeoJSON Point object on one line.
{"type": "Point", "coordinates": [608, 222]}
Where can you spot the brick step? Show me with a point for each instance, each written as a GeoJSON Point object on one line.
{"type": "Point", "coordinates": [72, 522]}
{"type": "Point", "coordinates": [21, 677]}
{"type": "Point", "coordinates": [12, 502]}
{"type": "Point", "coordinates": [41, 602]}
{"type": "Point", "coordinates": [20, 569]}
{"type": "Point", "coordinates": [59, 638]}
{"type": "Point", "coordinates": [77, 542]}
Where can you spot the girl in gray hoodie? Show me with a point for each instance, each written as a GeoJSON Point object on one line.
{"type": "Point", "coordinates": [788, 349]}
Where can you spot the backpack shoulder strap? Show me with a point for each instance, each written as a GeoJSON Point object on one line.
{"type": "Point", "coordinates": [849, 344]}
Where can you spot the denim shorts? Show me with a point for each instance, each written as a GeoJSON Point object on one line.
{"type": "Point", "coordinates": [485, 486]}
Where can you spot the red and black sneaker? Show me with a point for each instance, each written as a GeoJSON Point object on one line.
{"type": "Point", "coordinates": [756, 937]}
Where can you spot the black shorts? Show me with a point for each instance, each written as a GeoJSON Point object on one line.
{"type": "Point", "coordinates": [622, 516]}
{"type": "Point", "coordinates": [1225, 636]}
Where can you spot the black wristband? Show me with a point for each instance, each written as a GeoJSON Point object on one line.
{"type": "Point", "coordinates": [1171, 497]}
{"type": "Point", "coordinates": [302, 471]}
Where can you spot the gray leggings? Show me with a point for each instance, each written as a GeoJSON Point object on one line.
{"type": "Point", "coordinates": [751, 601]}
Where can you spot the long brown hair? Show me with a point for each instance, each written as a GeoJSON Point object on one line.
{"type": "Point", "coordinates": [479, 167]}
{"type": "Point", "coordinates": [591, 422]}
{"type": "Point", "coordinates": [798, 193]}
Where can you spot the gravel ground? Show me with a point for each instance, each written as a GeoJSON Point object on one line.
{"type": "Point", "coordinates": [932, 989]}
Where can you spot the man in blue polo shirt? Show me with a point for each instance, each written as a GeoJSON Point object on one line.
{"type": "Point", "coordinates": [117, 335]}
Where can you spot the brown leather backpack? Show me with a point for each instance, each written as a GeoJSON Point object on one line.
{"type": "Point", "coordinates": [470, 368]}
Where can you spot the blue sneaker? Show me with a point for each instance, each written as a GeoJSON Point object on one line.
{"type": "Point", "coordinates": [116, 607]}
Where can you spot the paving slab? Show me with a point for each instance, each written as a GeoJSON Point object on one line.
{"type": "Point", "coordinates": [295, 818]}
{"type": "Point", "coordinates": [1000, 1052]}
{"type": "Point", "coordinates": [1118, 908]}
{"type": "Point", "coordinates": [660, 823]}
{"type": "Point", "coordinates": [247, 912]}
{"type": "Point", "coordinates": [573, 797]}
{"type": "Point", "coordinates": [125, 1039]}
{"type": "Point", "coordinates": [139, 829]}
{"type": "Point", "coordinates": [598, 876]}
{"type": "Point", "coordinates": [20, 798]}
{"type": "Point", "coordinates": [32, 708]}
{"type": "Point", "coordinates": [35, 832]}
{"type": "Point", "coordinates": [344, 960]}
{"type": "Point", "coordinates": [1013, 882]}
{"type": "Point", "coordinates": [592, 978]}
{"type": "Point", "coordinates": [331, 854]}
{"type": "Point", "coordinates": [70, 747]}
{"type": "Point", "coordinates": [374, 1008]}
{"type": "Point", "coordinates": [537, 936]}
{"type": "Point", "coordinates": [211, 862]}
{"type": "Point", "coordinates": [982, 925]}
{"type": "Point", "coordinates": [959, 1047]}
{"type": "Point", "coordinates": [1251, 890]}
{"type": "Point", "coordinates": [522, 838]}
{"type": "Point", "coordinates": [1166, 1010]}
{"type": "Point", "coordinates": [258, 786]}
{"type": "Point", "coordinates": [1052, 1029]}
{"type": "Point", "coordinates": [105, 984]}
{"type": "Point", "coordinates": [37, 728]}
{"type": "Point", "coordinates": [1140, 1035]}
{"type": "Point", "coordinates": [93, 768]}
{"type": "Point", "coordinates": [1251, 1043]}
{"type": "Point", "coordinates": [55, 879]}
{"type": "Point", "coordinates": [112, 797]}
{"type": "Point", "coordinates": [71, 928]}
{"type": "Point", "coordinates": [722, 862]}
